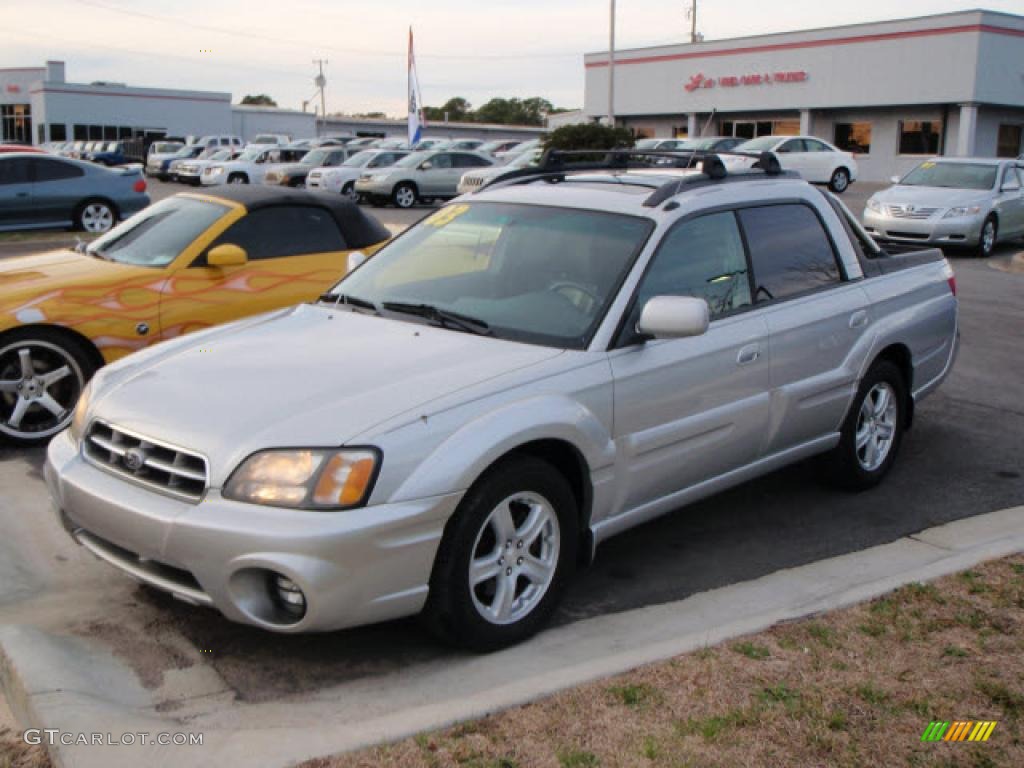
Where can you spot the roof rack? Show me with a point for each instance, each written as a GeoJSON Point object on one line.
{"type": "Point", "coordinates": [553, 167]}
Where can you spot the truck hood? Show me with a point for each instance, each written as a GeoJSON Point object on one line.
{"type": "Point", "coordinates": [308, 376]}
{"type": "Point", "coordinates": [932, 197]}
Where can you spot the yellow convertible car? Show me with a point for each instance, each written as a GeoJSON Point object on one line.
{"type": "Point", "coordinates": [185, 263]}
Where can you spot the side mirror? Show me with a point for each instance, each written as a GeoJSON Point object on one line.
{"type": "Point", "coordinates": [427, 165]}
{"type": "Point", "coordinates": [356, 259]}
{"type": "Point", "coordinates": [226, 255]}
{"type": "Point", "coordinates": [894, 179]}
{"type": "Point", "coordinates": [674, 317]}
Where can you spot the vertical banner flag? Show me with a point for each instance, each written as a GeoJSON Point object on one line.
{"type": "Point", "coordinates": [416, 121]}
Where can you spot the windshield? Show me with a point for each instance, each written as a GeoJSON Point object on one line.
{"type": "Point", "coordinates": [318, 156]}
{"type": "Point", "coordinates": [953, 175]}
{"type": "Point", "coordinates": [532, 273]}
{"type": "Point", "coordinates": [250, 154]}
{"type": "Point", "coordinates": [762, 144]}
{"type": "Point", "coordinates": [411, 161]}
{"type": "Point", "coordinates": [155, 237]}
{"type": "Point", "coordinates": [647, 143]}
{"type": "Point", "coordinates": [223, 154]}
{"type": "Point", "coordinates": [165, 146]}
{"type": "Point", "coordinates": [359, 160]}
{"type": "Point", "coordinates": [265, 139]}
{"type": "Point", "coordinates": [699, 144]}
{"type": "Point", "coordinates": [526, 159]}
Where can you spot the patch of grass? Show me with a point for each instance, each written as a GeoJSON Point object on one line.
{"type": "Point", "coordinates": [919, 591]}
{"type": "Point", "coordinates": [873, 695]}
{"type": "Point", "coordinates": [1011, 702]}
{"type": "Point", "coordinates": [650, 748]}
{"type": "Point", "coordinates": [489, 762]}
{"type": "Point", "coordinates": [885, 606]}
{"type": "Point", "coordinates": [955, 651]}
{"type": "Point", "coordinates": [973, 580]}
{"type": "Point", "coordinates": [971, 619]}
{"type": "Point", "coordinates": [823, 634]}
{"type": "Point", "coordinates": [778, 694]}
{"type": "Point", "coordinates": [1017, 568]}
{"type": "Point", "coordinates": [705, 654]}
{"type": "Point", "coordinates": [713, 727]}
{"type": "Point", "coordinates": [634, 695]}
{"type": "Point", "coordinates": [752, 650]}
{"type": "Point", "coordinates": [873, 628]}
{"type": "Point", "coordinates": [837, 721]}
{"type": "Point", "coordinates": [577, 758]}
{"type": "Point", "coordinates": [921, 707]}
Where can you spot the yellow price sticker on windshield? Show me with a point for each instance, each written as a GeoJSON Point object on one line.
{"type": "Point", "coordinates": [928, 165]}
{"type": "Point", "coordinates": [446, 215]}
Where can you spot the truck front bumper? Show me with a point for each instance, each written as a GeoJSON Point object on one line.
{"type": "Point", "coordinates": [353, 567]}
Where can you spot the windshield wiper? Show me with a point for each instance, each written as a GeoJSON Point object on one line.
{"type": "Point", "coordinates": [344, 300]}
{"type": "Point", "coordinates": [443, 317]}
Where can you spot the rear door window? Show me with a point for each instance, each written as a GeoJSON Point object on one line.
{"type": "Point", "coordinates": [790, 251]}
{"type": "Point", "coordinates": [47, 169]}
{"type": "Point", "coordinates": [13, 170]}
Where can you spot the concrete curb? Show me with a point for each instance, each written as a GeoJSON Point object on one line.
{"type": "Point", "coordinates": [54, 682]}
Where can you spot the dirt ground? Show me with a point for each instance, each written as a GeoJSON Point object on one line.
{"type": "Point", "coordinates": [852, 688]}
{"type": "Point", "coordinates": [14, 753]}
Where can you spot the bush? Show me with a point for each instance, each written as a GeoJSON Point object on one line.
{"type": "Point", "coordinates": [588, 136]}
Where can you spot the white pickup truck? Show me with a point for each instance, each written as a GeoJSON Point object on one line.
{"type": "Point", "coordinates": [251, 166]}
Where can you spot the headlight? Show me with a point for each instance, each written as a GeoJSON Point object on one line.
{"type": "Point", "coordinates": [379, 177]}
{"type": "Point", "coordinates": [306, 479]}
{"type": "Point", "coordinates": [79, 420]}
{"type": "Point", "coordinates": [953, 213]}
{"type": "Point", "coordinates": [216, 171]}
{"type": "Point", "coordinates": [874, 205]}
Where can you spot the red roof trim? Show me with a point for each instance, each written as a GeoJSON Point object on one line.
{"type": "Point", "coordinates": [850, 40]}
{"type": "Point", "coordinates": [131, 95]}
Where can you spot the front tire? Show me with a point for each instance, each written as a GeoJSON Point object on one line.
{"type": "Point", "coordinates": [404, 195]}
{"type": "Point", "coordinates": [506, 557]}
{"type": "Point", "coordinates": [95, 216]}
{"type": "Point", "coordinates": [840, 181]}
{"type": "Point", "coordinates": [349, 192]}
{"type": "Point", "coordinates": [987, 238]}
{"type": "Point", "coordinates": [238, 178]}
{"type": "Point", "coordinates": [873, 430]}
{"type": "Point", "coordinates": [42, 375]}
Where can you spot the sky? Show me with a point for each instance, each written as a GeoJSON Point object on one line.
{"type": "Point", "coordinates": [476, 49]}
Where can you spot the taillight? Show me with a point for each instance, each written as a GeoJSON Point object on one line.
{"type": "Point", "coordinates": [951, 279]}
{"type": "Point", "coordinates": [140, 185]}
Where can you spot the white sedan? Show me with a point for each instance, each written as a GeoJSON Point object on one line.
{"type": "Point", "coordinates": [341, 179]}
{"type": "Point", "coordinates": [815, 160]}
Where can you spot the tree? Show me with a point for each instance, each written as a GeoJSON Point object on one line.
{"type": "Point", "coordinates": [457, 109]}
{"type": "Point", "coordinates": [259, 100]}
{"type": "Point", "coordinates": [588, 136]}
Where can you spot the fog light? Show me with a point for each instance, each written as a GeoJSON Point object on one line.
{"type": "Point", "coordinates": [289, 595]}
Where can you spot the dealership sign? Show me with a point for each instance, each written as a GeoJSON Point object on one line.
{"type": "Point", "coordinates": [12, 88]}
{"type": "Point", "coordinates": [700, 80]}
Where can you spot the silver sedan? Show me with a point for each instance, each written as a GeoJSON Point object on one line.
{"type": "Point", "coordinates": [953, 202]}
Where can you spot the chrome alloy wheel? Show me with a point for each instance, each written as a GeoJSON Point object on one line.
{"type": "Point", "coordinates": [39, 386]}
{"type": "Point", "coordinates": [988, 237]}
{"type": "Point", "coordinates": [405, 197]}
{"type": "Point", "coordinates": [514, 558]}
{"type": "Point", "coordinates": [97, 217]}
{"type": "Point", "coordinates": [876, 426]}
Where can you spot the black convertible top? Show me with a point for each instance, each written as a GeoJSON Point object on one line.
{"type": "Point", "coordinates": [359, 229]}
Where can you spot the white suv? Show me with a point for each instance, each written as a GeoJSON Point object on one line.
{"type": "Point", "coordinates": [270, 140]}
{"type": "Point", "coordinates": [218, 141]}
{"type": "Point", "coordinates": [251, 166]}
{"type": "Point", "coordinates": [341, 179]}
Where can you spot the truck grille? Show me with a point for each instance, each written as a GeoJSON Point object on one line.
{"type": "Point", "coordinates": [910, 212]}
{"type": "Point", "coordinates": [164, 468]}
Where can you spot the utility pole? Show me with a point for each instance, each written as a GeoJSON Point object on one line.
{"type": "Point", "coordinates": [611, 67]}
{"type": "Point", "coordinates": [321, 82]}
{"type": "Point", "coordinates": [693, 22]}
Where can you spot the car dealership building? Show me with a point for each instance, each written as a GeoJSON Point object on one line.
{"type": "Point", "coordinates": [892, 92]}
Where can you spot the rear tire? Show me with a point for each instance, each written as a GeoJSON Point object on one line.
{"type": "Point", "coordinates": [95, 216]}
{"type": "Point", "coordinates": [238, 178]}
{"type": "Point", "coordinates": [487, 594]}
{"type": "Point", "coordinates": [873, 430]}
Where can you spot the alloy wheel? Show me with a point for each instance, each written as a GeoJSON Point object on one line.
{"type": "Point", "coordinates": [405, 197]}
{"type": "Point", "coordinates": [988, 237]}
{"type": "Point", "coordinates": [514, 558]}
{"type": "Point", "coordinates": [39, 385]}
{"type": "Point", "coordinates": [840, 181]}
{"type": "Point", "coordinates": [97, 217]}
{"type": "Point", "coordinates": [876, 426]}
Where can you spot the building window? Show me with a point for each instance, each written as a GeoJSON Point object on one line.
{"type": "Point", "coordinates": [1008, 143]}
{"type": "Point", "coordinates": [781, 128]}
{"type": "Point", "coordinates": [853, 137]}
{"type": "Point", "coordinates": [95, 132]}
{"type": "Point", "coordinates": [919, 137]}
{"type": "Point", "coordinates": [124, 132]}
{"type": "Point", "coordinates": [58, 132]}
{"type": "Point", "coordinates": [16, 123]}
{"type": "Point", "coordinates": [81, 132]}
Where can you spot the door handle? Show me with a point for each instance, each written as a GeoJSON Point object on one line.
{"type": "Point", "coordinates": [21, 194]}
{"type": "Point", "coordinates": [748, 354]}
{"type": "Point", "coordinates": [859, 318]}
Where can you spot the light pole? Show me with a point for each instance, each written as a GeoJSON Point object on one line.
{"type": "Point", "coordinates": [611, 66]}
